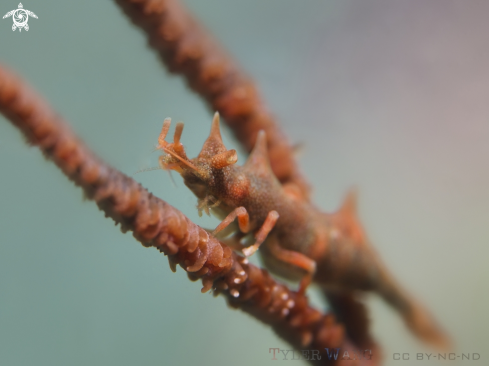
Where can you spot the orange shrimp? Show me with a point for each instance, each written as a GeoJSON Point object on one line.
{"type": "Point", "coordinates": [295, 239]}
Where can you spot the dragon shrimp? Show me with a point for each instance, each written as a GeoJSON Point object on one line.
{"type": "Point", "coordinates": [295, 239]}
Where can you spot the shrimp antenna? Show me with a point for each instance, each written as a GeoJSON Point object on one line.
{"type": "Point", "coordinates": [147, 170]}
{"type": "Point", "coordinates": [171, 178]}
{"type": "Point", "coordinates": [156, 168]}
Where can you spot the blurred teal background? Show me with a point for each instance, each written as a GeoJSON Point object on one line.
{"type": "Point", "coordinates": [391, 97]}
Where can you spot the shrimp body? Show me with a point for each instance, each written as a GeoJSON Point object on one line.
{"type": "Point", "coordinates": [296, 240]}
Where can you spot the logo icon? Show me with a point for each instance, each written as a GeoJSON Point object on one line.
{"type": "Point", "coordinates": [20, 17]}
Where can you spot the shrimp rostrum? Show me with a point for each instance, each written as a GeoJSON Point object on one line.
{"type": "Point", "coordinates": [295, 239]}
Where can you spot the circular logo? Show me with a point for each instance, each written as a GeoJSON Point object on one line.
{"type": "Point", "coordinates": [20, 17]}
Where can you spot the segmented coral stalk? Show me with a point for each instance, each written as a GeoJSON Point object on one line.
{"type": "Point", "coordinates": [158, 224]}
{"type": "Point", "coordinates": [187, 48]}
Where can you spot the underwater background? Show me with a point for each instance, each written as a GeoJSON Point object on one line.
{"type": "Point", "coordinates": [390, 97]}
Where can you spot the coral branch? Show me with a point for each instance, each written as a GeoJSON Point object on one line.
{"type": "Point", "coordinates": [156, 223]}
{"type": "Point", "coordinates": [187, 48]}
